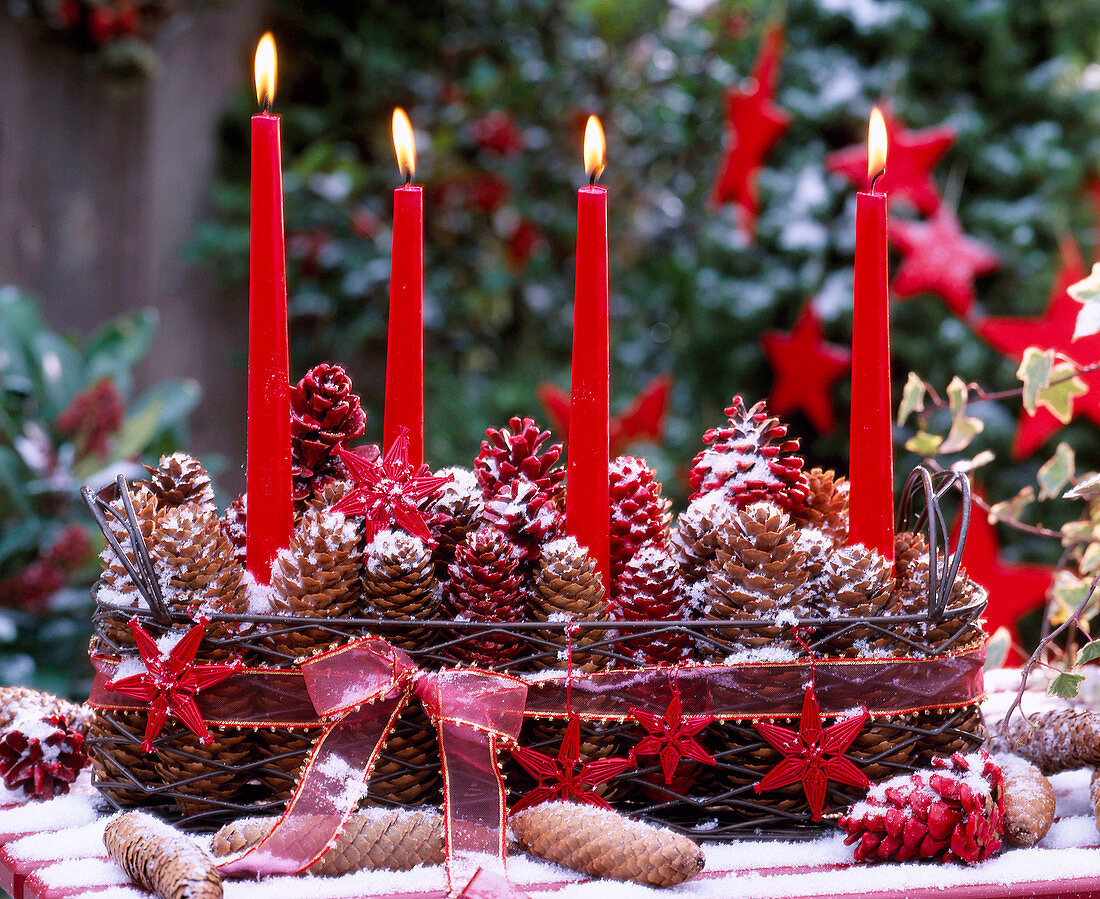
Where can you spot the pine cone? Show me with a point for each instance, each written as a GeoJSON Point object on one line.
{"type": "Point", "coordinates": [826, 507]}
{"type": "Point", "coordinates": [42, 754]}
{"type": "Point", "coordinates": [179, 480]}
{"type": "Point", "coordinates": [602, 843]}
{"type": "Point", "coordinates": [954, 813]}
{"type": "Point", "coordinates": [19, 702]}
{"type": "Point", "coordinates": [638, 511]}
{"type": "Point", "coordinates": [317, 576]}
{"type": "Point", "coordinates": [568, 587]}
{"type": "Point", "coordinates": [1054, 741]}
{"type": "Point", "coordinates": [200, 778]}
{"type": "Point", "coordinates": [510, 455]}
{"type": "Point", "coordinates": [484, 585]}
{"type": "Point", "coordinates": [526, 515]}
{"type": "Point", "coordinates": [1028, 800]}
{"type": "Point", "coordinates": [324, 413]}
{"type": "Point", "coordinates": [455, 513]}
{"type": "Point", "coordinates": [858, 583]}
{"type": "Point", "coordinates": [750, 460]}
{"type": "Point", "coordinates": [160, 858]}
{"type": "Point", "coordinates": [696, 536]}
{"type": "Point", "coordinates": [909, 547]}
{"type": "Point", "coordinates": [956, 628]}
{"type": "Point", "coordinates": [1094, 796]}
{"type": "Point", "coordinates": [652, 589]}
{"type": "Point", "coordinates": [121, 770]}
{"type": "Point", "coordinates": [234, 527]}
{"type": "Point", "coordinates": [372, 840]}
{"type": "Point", "coordinates": [115, 586]}
{"type": "Point", "coordinates": [399, 583]}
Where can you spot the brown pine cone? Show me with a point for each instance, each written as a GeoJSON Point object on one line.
{"type": "Point", "coordinates": [20, 702]}
{"type": "Point", "coordinates": [455, 513]}
{"type": "Point", "coordinates": [399, 583]}
{"type": "Point", "coordinates": [858, 583]}
{"type": "Point", "coordinates": [325, 413]}
{"type": "Point", "coordinates": [160, 858]}
{"type": "Point", "coordinates": [1028, 801]}
{"type": "Point", "coordinates": [957, 627]}
{"type": "Point", "coordinates": [638, 511]}
{"type": "Point", "coordinates": [234, 527]}
{"type": "Point", "coordinates": [121, 770]}
{"type": "Point", "coordinates": [1094, 796]}
{"type": "Point", "coordinates": [651, 589]}
{"type": "Point", "coordinates": [909, 548]}
{"type": "Point", "coordinates": [511, 455]}
{"type": "Point", "coordinates": [180, 480]}
{"type": "Point", "coordinates": [568, 588]}
{"type": "Point", "coordinates": [826, 506]}
{"type": "Point", "coordinates": [1054, 741]}
{"type": "Point", "coordinates": [695, 538]}
{"type": "Point", "coordinates": [603, 843]}
{"type": "Point", "coordinates": [201, 777]}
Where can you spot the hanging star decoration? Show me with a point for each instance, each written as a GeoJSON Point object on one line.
{"type": "Point", "coordinates": [939, 258]}
{"type": "Point", "coordinates": [806, 368]}
{"type": "Point", "coordinates": [1053, 330]}
{"type": "Point", "coordinates": [753, 125]}
{"type": "Point", "coordinates": [908, 175]}
{"type": "Point", "coordinates": [813, 754]}
{"type": "Point", "coordinates": [171, 680]}
{"type": "Point", "coordinates": [671, 736]}
{"type": "Point", "coordinates": [388, 492]}
{"type": "Point", "coordinates": [563, 777]}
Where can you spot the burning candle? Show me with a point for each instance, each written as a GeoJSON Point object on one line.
{"type": "Point", "coordinates": [587, 503]}
{"type": "Point", "coordinates": [871, 500]}
{"type": "Point", "coordinates": [270, 520]}
{"type": "Point", "coordinates": [404, 404]}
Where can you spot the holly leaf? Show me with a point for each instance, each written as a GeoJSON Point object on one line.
{"type": "Point", "coordinates": [1058, 396]}
{"type": "Point", "coordinates": [964, 428]}
{"type": "Point", "coordinates": [912, 397]}
{"type": "Point", "coordinates": [1087, 293]}
{"type": "Point", "coordinates": [1034, 372]}
{"type": "Point", "coordinates": [1086, 488]}
{"type": "Point", "coordinates": [1065, 685]}
{"type": "Point", "coordinates": [1012, 509]}
{"type": "Point", "coordinates": [1056, 472]}
{"type": "Point", "coordinates": [1090, 652]}
{"type": "Point", "coordinates": [924, 444]}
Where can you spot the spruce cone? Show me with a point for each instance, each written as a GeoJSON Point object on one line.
{"type": "Point", "coordinates": [858, 583]}
{"type": "Point", "coordinates": [638, 510]}
{"type": "Point", "coordinates": [603, 843]}
{"type": "Point", "coordinates": [568, 587]}
{"type": "Point", "coordinates": [324, 413]}
{"type": "Point", "coordinates": [160, 858]}
{"type": "Point", "coordinates": [695, 539]}
{"type": "Point", "coordinates": [1059, 741]}
{"type": "Point", "coordinates": [1029, 802]}
{"type": "Point", "coordinates": [372, 840]}
{"type": "Point", "coordinates": [955, 628]}
{"type": "Point", "coordinates": [200, 777]}
{"type": "Point", "coordinates": [484, 585]}
{"type": "Point", "coordinates": [750, 460]}
{"type": "Point", "coordinates": [317, 576]}
{"type": "Point", "coordinates": [115, 586]}
{"type": "Point", "coordinates": [826, 507]}
{"type": "Point", "coordinates": [526, 515]}
{"type": "Point", "coordinates": [511, 455]}
{"type": "Point", "coordinates": [909, 547]}
{"type": "Point", "coordinates": [651, 589]}
{"type": "Point", "coordinates": [233, 526]}
{"type": "Point", "coordinates": [121, 769]}
{"type": "Point", "coordinates": [399, 583]}
{"type": "Point", "coordinates": [180, 480]}
{"type": "Point", "coordinates": [455, 513]}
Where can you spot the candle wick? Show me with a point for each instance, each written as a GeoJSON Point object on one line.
{"type": "Point", "coordinates": [592, 178]}
{"type": "Point", "coordinates": [265, 107]}
{"type": "Point", "coordinates": [408, 177]}
{"type": "Point", "coordinates": [881, 172]}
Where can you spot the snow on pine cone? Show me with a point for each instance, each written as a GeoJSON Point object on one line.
{"type": "Point", "coordinates": [325, 412]}
{"type": "Point", "coordinates": [638, 510]}
{"type": "Point", "coordinates": [526, 514]}
{"type": "Point", "coordinates": [652, 589]}
{"type": "Point", "coordinates": [399, 583]}
{"type": "Point", "coordinates": [567, 586]}
{"type": "Point", "coordinates": [180, 479]}
{"type": "Point", "coordinates": [234, 526]}
{"type": "Point", "coordinates": [455, 512]}
{"type": "Point", "coordinates": [509, 455]}
{"type": "Point", "coordinates": [42, 743]}
{"type": "Point", "coordinates": [750, 459]}
{"type": "Point", "coordinates": [826, 506]}
{"type": "Point", "coordinates": [953, 812]}
{"type": "Point", "coordinates": [695, 538]}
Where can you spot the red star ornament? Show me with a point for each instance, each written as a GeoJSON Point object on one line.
{"type": "Point", "coordinates": [1052, 330]}
{"type": "Point", "coordinates": [911, 155]}
{"type": "Point", "coordinates": [806, 368]}
{"type": "Point", "coordinates": [671, 736]}
{"type": "Point", "coordinates": [388, 492]}
{"type": "Point", "coordinates": [170, 682]}
{"type": "Point", "coordinates": [939, 258]}
{"type": "Point", "coordinates": [812, 754]}
{"type": "Point", "coordinates": [753, 125]}
{"type": "Point", "coordinates": [563, 778]}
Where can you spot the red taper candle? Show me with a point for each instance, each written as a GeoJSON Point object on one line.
{"type": "Point", "coordinates": [871, 449]}
{"type": "Point", "coordinates": [587, 499]}
{"type": "Point", "coordinates": [270, 520]}
{"type": "Point", "coordinates": [404, 404]}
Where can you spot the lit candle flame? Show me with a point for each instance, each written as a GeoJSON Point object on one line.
{"type": "Point", "coordinates": [595, 148]}
{"type": "Point", "coordinates": [404, 144]}
{"type": "Point", "coordinates": [876, 145]}
{"type": "Point", "coordinates": [265, 70]}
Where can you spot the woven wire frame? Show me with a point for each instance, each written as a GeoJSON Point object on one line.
{"type": "Point", "coordinates": [718, 801]}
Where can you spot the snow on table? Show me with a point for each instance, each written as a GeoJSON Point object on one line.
{"type": "Point", "coordinates": [54, 850]}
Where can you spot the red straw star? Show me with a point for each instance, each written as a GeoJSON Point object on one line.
{"type": "Point", "coordinates": [672, 736]}
{"type": "Point", "coordinates": [389, 492]}
{"type": "Point", "coordinates": [170, 682]}
{"type": "Point", "coordinates": [561, 778]}
{"type": "Point", "coordinates": [812, 754]}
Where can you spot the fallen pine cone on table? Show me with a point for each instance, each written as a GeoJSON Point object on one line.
{"type": "Point", "coordinates": [1028, 800]}
{"type": "Point", "coordinates": [41, 741]}
{"type": "Point", "coordinates": [373, 839]}
{"type": "Point", "coordinates": [1094, 796]}
{"type": "Point", "coordinates": [160, 858]}
{"type": "Point", "coordinates": [602, 843]}
{"type": "Point", "coordinates": [1053, 741]}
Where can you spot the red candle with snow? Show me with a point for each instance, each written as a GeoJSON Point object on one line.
{"type": "Point", "coordinates": [587, 501]}
{"type": "Point", "coordinates": [871, 500]}
{"type": "Point", "coordinates": [270, 520]}
{"type": "Point", "coordinates": [404, 404]}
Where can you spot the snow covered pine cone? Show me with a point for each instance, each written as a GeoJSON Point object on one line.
{"type": "Point", "coordinates": [325, 412]}
{"type": "Point", "coordinates": [639, 514]}
{"type": "Point", "coordinates": [510, 455]}
{"type": "Point", "coordinates": [399, 584]}
{"type": "Point", "coordinates": [455, 512]}
{"type": "Point", "coordinates": [180, 479]}
{"type": "Point", "coordinates": [41, 742]}
{"type": "Point", "coordinates": [567, 587]}
{"type": "Point", "coordinates": [652, 589]}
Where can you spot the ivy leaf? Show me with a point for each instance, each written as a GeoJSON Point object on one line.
{"type": "Point", "coordinates": [1012, 509]}
{"type": "Point", "coordinates": [966, 465]}
{"type": "Point", "coordinates": [1087, 488]}
{"type": "Point", "coordinates": [1090, 652]}
{"type": "Point", "coordinates": [1065, 685]}
{"type": "Point", "coordinates": [912, 397]}
{"type": "Point", "coordinates": [1056, 472]}
{"type": "Point", "coordinates": [996, 648]}
{"type": "Point", "coordinates": [963, 428]}
{"type": "Point", "coordinates": [1087, 293]}
{"type": "Point", "coordinates": [1068, 592]}
{"type": "Point", "coordinates": [1090, 559]}
{"type": "Point", "coordinates": [924, 444]}
{"type": "Point", "coordinates": [1064, 386]}
{"type": "Point", "coordinates": [1034, 371]}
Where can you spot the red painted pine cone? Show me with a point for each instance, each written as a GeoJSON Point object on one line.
{"type": "Point", "coordinates": [42, 757]}
{"type": "Point", "coordinates": [508, 455]}
{"type": "Point", "coordinates": [652, 589]}
{"type": "Point", "coordinates": [324, 413]}
{"type": "Point", "coordinates": [527, 515]}
{"type": "Point", "coordinates": [637, 510]}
